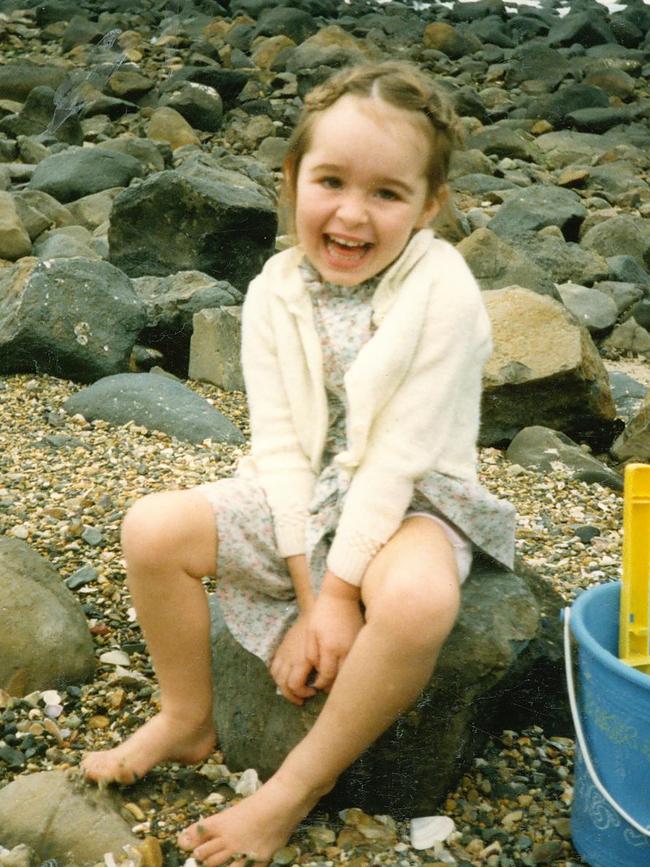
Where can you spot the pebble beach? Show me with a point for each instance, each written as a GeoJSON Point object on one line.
{"type": "Point", "coordinates": [66, 484]}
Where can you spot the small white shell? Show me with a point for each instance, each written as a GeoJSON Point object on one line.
{"type": "Point", "coordinates": [248, 783]}
{"type": "Point", "coordinates": [51, 696]}
{"type": "Point", "coordinates": [427, 830]}
{"type": "Point", "coordinates": [115, 657]}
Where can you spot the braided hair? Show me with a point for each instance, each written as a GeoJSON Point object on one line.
{"type": "Point", "coordinates": [398, 83]}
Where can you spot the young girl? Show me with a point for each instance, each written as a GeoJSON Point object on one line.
{"type": "Point", "coordinates": [342, 541]}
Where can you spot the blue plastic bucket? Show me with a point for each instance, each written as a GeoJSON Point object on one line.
{"type": "Point", "coordinates": [611, 803]}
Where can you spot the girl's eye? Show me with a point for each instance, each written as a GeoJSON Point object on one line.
{"type": "Point", "coordinates": [387, 195]}
{"type": "Point", "coordinates": [331, 183]}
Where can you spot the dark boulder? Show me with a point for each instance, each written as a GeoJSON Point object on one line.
{"type": "Point", "coordinates": [72, 318]}
{"type": "Point", "coordinates": [197, 219]}
{"type": "Point", "coordinates": [506, 642]}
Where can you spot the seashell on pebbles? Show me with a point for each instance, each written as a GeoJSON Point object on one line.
{"type": "Point", "coordinates": [427, 830]}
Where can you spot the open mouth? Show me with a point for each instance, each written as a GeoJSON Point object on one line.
{"type": "Point", "coordinates": [345, 249]}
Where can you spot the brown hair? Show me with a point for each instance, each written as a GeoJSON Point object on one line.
{"type": "Point", "coordinates": [397, 83]}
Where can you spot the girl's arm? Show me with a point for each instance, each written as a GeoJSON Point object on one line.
{"type": "Point", "coordinates": [281, 465]}
{"type": "Point", "coordinates": [299, 571]}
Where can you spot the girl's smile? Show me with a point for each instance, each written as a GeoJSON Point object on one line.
{"type": "Point", "coordinates": [362, 188]}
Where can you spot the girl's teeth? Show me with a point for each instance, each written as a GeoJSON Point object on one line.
{"type": "Point", "coordinates": [346, 243]}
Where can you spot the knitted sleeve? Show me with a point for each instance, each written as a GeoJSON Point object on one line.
{"type": "Point", "coordinates": [416, 428]}
{"type": "Point", "coordinates": [281, 465]}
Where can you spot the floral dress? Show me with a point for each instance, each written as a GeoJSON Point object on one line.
{"type": "Point", "coordinates": [254, 587]}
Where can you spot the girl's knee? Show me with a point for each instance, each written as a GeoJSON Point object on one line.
{"type": "Point", "coordinates": [168, 528]}
{"type": "Point", "coordinates": [145, 527]}
{"type": "Point", "coordinates": [417, 608]}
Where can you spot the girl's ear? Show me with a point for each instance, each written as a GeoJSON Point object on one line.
{"type": "Point", "coordinates": [432, 207]}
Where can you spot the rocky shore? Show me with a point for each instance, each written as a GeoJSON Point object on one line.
{"type": "Point", "coordinates": [61, 479]}
{"type": "Point", "coordinates": [139, 164]}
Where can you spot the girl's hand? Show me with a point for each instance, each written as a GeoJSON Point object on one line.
{"type": "Point", "coordinates": [334, 624]}
{"type": "Point", "coordinates": [290, 667]}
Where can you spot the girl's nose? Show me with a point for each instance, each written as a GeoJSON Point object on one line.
{"type": "Point", "coordinates": [352, 209]}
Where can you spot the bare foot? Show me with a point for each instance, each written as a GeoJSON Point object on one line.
{"type": "Point", "coordinates": [161, 739]}
{"type": "Point", "coordinates": [254, 828]}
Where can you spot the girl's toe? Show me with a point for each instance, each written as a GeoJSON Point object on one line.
{"type": "Point", "coordinates": [213, 853]}
{"type": "Point", "coordinates": [193, 836]}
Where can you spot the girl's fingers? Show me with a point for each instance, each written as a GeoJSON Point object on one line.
{"type": "Point", "coordinates": [327, 671]}
{"type": "Point", "coordinates": [312, 651]}
{"type": "Point", "coordinates": [297, 681]}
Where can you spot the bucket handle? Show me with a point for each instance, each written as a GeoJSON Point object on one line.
{"type": "Point", "coordinates": [580, 737]}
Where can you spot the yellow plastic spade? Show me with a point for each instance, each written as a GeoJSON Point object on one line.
{"type": "Point", "coordinates": [635, 600]}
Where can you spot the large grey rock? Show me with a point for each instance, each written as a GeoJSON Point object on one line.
{"type": "Point", "coordinates": [156, 402]}
{"type": "Point", "coordinates": [623, 294]}
{"type": "Point", "coordinates": [505, 642]}
{"type": "Point", "coordinates": [35, 116]}
{"type": "Point", "coordinates": [66, 243]}
{"type": "Point", "coordinates": [72, 318]}
{"type": "Point", "coordinates": [584, 28]}
{"type": "Point", "coordinates": [199, 104]}
{"type": "Point", "coordinates": [60, 820]}
{"type": "Point", "coordinates": [536, 207]}
{"type": "Point", "coordinates": [627, 269]}
{"type": "Point", "coordinates": [496, 264]}
{"type": "Point", "coordinates": [17, 79]}
{"type": "Point", "coordinates": [170, 305]}
{"type": "Point", "coordinates": [537, 62]}
{"type": "Point", "coordinates": [297, 24]}
{"type": "Point", "coordinates": [78, 172]}
{"type": "Point", "coordinates": [545, 370]}
{"type": "Point", "coordinates": [559, 149]}
{"type": "Point", "coordinates": [598, 119]}
{"type": "Point", "coordinates": [44, 637]}
{"type": "Point", "coordinates": [621, 235]}
{"type": "Point", "coordinates": [628, 338]}
{"type": "Point", "coordinates": [478, 184]}
{"type": "Point", "coordinates": [616, 179]}
{"type": "Point", "coordinates": [200, 218]}
{"type": "Point", "coordinates": [541, 448]}
{"type": "Point", "coordinates": [502, 141]}
{"type": "Point", "coordinates": [563, 261]}
{"type": "Point", "coordinates": [215, 349]}
{"type": "Point", "coordinates": [555, 107]}
{"type": "Point", "coordinates": [593, 309]}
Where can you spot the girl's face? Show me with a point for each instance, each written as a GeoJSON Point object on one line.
{"type": "Point", "coordinates": [361, 189]}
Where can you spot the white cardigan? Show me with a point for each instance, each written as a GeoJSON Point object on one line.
{"type": "Point", "coordinates": [413, 395]}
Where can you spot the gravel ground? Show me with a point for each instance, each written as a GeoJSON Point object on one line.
{"type": "Point", "coordinates": [61, 477]}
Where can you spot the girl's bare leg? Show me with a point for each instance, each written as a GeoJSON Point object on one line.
{"type": "Point", "coordinates": [169, 543]}
{"type": "Point", "coordinates": [412, 596]}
